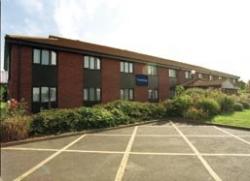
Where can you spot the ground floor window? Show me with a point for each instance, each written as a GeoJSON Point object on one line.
{"type": "Point", "coordinates": [127, 94]}
{"type": "Point", "coordinates": [44, 94]}
{"type": "Point", "coordinates": [153, 94]}
{"type": "Point", "coordinates": [91, 94]}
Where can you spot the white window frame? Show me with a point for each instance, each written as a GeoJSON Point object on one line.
{"type": "Point", "coordinates": [172, 73]}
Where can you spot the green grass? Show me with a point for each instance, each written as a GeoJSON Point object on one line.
{"type": "Point", "coordinates": [240, 119]}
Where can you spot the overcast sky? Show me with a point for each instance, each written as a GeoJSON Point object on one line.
{"type": "Point", "coordinates": [210, 33]}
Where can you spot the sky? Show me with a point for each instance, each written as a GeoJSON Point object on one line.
{"type": "Point", "coordinates": [211, 33]}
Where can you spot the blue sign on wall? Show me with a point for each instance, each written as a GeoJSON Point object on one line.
{"type": "Point", "coordinates": [141, 80]}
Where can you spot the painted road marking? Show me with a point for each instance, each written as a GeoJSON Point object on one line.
{"type": "Point", "coordinates": [33, 169]}
{"type": "Point", "coordinates": [124, 161]}
{"type": "Point", "coordinates": [237, 137]}
{"type": "Point", "coordinates": [203, 161]}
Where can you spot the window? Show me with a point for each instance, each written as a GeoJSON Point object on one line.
{"type": "Point", "coordinates": [92, 94]}
{"type": "Point", "coordinates": [53, 58]}
{"type": "Point", "coordinates": [220, 78]}
{"type": "Point", "coordinates": [92, 63]}
{"type": "Point", "coordinates": [36, 56]}
{"type": "Point", "coordinates": [172, 73]}
{"type": "Point", "coordinates": [210, 77]}
{"type": "Point", "coordinates": [44, 57]}
{"type": "Point", "coordinates": [36, 94]}
{"type": "Point", "coordinates": [152, 70]}
{"type": "Point", "coordinates": [188, 75]}
{"type": "Point", "coordinates": [200, 76]}
{"type": "Point", "coordinates": [47, 94]}
{"type": "Point", "coordinates": [153, 94]}
{"type": "Point", "coordinates": [52, 93]}
{"type": "Point", "coordinates": [126, 67]}
{"type": "Point", "coordinates": [127, 94]}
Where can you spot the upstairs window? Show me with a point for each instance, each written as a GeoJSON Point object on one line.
{"type": "Point", "coordinates": [153, 94]}
{"type": "Point", "coordinates": [188, 75]}
{"type": "Point", "coordinates": [200, 76]}
{"type": "Point", "coordinates": [210, 77]}
{"type": "Point", "coordinates": [44, 57]}
{"type": "Point", "coordinates": [172, 73]}
{"type": "Point", "coordinates": [127, 94]}
{"type": "Point", "coordinates": [220, 78]}
{"type": "Point", "coordinates": [92, 63]}
{"type": "Point", "coordinates": [152, 70]}
{"type": "Point", "coordinates": [126, 67]}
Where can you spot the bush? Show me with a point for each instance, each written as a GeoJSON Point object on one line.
{"type": "Point", "coordinates": [15, 128]}
{"type": "Point", "coordinates": [208, 106]}
{"type": "Point", "coordinates": [194, 113]}
{"type": "Point", "coordinates": [226, 103]}
{"type": "Point", "coordinates": [245, 104]}
{"type": "Point", "coordinates": [178, 105]}
{"type": "Point", "coordinates": [238, 107]}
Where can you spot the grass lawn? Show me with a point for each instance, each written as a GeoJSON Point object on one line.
{"type": "Point", "coordinates": [240, 119]}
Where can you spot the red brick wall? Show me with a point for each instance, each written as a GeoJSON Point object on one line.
{"type": "Point", "coordinates": [163, 83]}
{"type": "Point", "coordinates": [13, 77]}
{"type": "Point", "coordinates": [70, 80]}
{"type": "Point", "coordinates": [110, 73]}
{"type": "Point", "coordinates": [141, 92]}
{"type": "Point", "coordinates": [181, 76]}
{"type": "Point", "coordinates": [21, 74]}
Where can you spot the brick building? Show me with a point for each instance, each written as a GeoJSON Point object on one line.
{"type": "Point", "coordinates": [64, 73]}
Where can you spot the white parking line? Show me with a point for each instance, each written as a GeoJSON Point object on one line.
{"type": "Point", "coordinates": [237, 137]}
{"type": "Point", "coordinates": [30, 171]}
{"type": "Point", "coordinates": [133, 153]}
{"type": "Point", "coordinates": [28, 149]}
{"type": "Point", "coordinates": [124, 161]}
{"type": "Point", "coordinates": [203, 161]}
{"type": "Point", "coordinates": [101, 134]}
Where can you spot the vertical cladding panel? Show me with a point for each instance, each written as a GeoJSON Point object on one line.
{"type": "Point", "coordinates": [141, 92]}
{"type": "Point", "coordinates": [163, 83]}
{"type": "Point", "coordinates": [110, 73]}
{"type": "Point", "coordinates": [70, 80]}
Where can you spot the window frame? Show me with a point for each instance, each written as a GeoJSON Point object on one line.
{"type": "Point", "coordinates": [127, 94]}
{"type": "Point", "coordinates": [152, 69]}
{"type": "Point", "coordinates": [126, 67]}
{"type": "Point", "coordinates": [97, 96]}
{"type": "Point", "coordinates": [91, 62]}
{"type": "Point", "coordinates": [172, 73]}
{"type": "Point", "coordinates": [40, 94]}
{"type": "Point", "coordinates": [41, 56]}
{"type": "Point", "coordinates": [153, 94]}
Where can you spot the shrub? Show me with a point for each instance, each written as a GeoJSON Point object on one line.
{"type": "Point", "coordinates": [178, 105]}
{"type": "Point", "coordinates": [245, 104]}
{"type": "Point", "coordinates": [55, 121]}
{"type": "Point", "coordinates": [238, 107]}
{"type": "Point", "coordinates": [208, 106]}
{"type": "Point", "coordinates": [226, 103]}
{"type": "Point", "coordinates": [15, 128]}
{"type": "Point", "coordinates": [179, 90]}
{"type": "Point", "coordinates": [194, 113]}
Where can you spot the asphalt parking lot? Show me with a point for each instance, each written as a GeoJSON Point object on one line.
{"type": "Point", "coordinates": [165, 151]}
